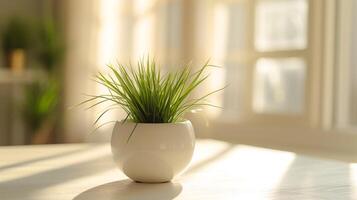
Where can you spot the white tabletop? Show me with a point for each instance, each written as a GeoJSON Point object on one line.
{"type": "Point", "coordinates": [219, 170]}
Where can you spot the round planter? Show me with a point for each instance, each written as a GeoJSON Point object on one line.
{"type": "Point", "coordinates": [154, 152]}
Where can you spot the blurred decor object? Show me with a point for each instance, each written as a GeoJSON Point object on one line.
{"type": "Point", "coordinates": [154, 143]}
{"type": "Point", "coordinates": [50, 45]}
{"type": "Point", "coordinates": [15, 41]}
{"type": "Point", "coordinates": [16, 59]}
{"type": "Point", "coordinates": [40, 106]}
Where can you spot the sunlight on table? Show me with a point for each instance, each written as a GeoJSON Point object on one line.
{"type": "Point", "coordinates": [219, 170]}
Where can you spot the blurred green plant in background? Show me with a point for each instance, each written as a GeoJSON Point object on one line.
{"type": "Point", "coordinates": [42, 98]}
{"type": "Point", "coordinates": [41, 102]}
{"type": "Point", "coordinates": [50, 46]}
{"type": "Point", "coordinates": [16, 35]}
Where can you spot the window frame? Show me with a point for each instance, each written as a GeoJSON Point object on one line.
{"type": "Point", "coordinates": [343, 67]}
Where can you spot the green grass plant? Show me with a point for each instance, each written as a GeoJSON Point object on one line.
{"type": "Point", "coordinates": [149, 96]}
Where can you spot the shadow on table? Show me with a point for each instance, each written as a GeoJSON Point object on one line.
{"type": "Point", "coordinates": [39, 159]}
{"type": "Point", "coordinates": [129, 190]}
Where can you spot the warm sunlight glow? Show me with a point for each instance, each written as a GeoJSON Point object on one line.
{"type": "Point", "coordinates": [108, 45]}
{"type": "Point", "coordinates": [108, 33]}
{"type": "Point", "coordinates": [210, 151]}
{"type": "Point", "coordinates": [249, 164]}
{"type": "Point", "coordinates": [217, 76]}
{"type": "Point", "coordinates": [220, 22]}
{"type": "Point", "coordinates": [144, 27]}
{"type": "Point", "coordinates": [141, 7]}
{"type": "Point", "coordinates": [353, 179]}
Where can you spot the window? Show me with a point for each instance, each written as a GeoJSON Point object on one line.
{"type": "Point", "coordinates": [286, 62]}
{"type": "Point", "coordinates": [273, 54]}
{"type": "Point", "coordinates": [264, 48]}
{"type": "Point", "coordinates": [280, 24]}
{"type": "Point", "coordinates": [279, 85]}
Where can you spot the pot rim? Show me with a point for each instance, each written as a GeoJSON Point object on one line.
{"type": "Point", "coordinates": [183, 121]}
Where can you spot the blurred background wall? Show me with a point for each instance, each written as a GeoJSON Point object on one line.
{"type": "Point", "coordinates": [29, 9]}
{"type": "Point", "coordinates": [289, 66]}
{"type": "Point", "coordinates": [31, 47]}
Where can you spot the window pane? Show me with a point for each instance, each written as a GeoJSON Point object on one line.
{"type": "Point", "coordinates": [280, 24]}
{"type": "Point", "coordinates": [279, 85]}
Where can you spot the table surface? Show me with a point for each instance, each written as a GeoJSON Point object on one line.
{"type": "Point", "coordinates": [219, 170]}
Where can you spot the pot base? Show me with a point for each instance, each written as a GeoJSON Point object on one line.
{"type": "Point", "coordinates": [151, 182]}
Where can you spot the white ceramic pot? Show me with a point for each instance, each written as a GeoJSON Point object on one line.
{"type": "Point", "coordinates": [155, 152]}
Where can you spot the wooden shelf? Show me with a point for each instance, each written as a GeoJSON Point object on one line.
{"type": "Point", "coordinates": [8, 76]}
{"type": "Point", "coordinates": [12, 90]}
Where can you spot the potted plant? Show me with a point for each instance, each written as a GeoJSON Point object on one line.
{"type": "Point", "coordinates": [154, 142]}
{"type": "Point", "coordinates": [15, 41]}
